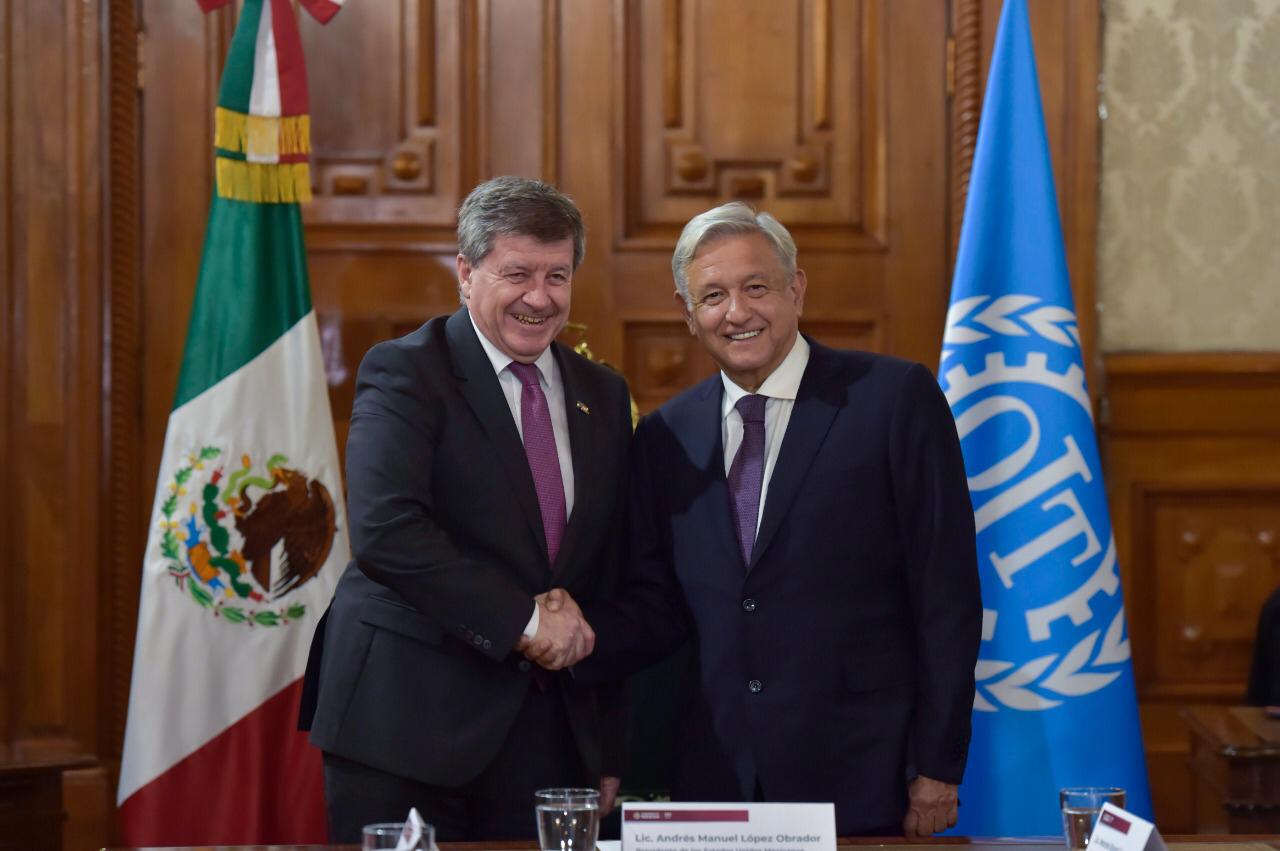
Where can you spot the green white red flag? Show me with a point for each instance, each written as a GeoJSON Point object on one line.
{"type": "Point", "coordinates": [248, 529]}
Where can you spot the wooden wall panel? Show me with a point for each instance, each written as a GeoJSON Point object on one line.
{"type": "Point", "coordinates": [51, 272]}
{"type": "Point", "coordinates": [1193, 472]}
{"type": "Point", "coordinates": [52, 282]}
{"type": "Point", "coordinates": [389, 114]}
{"type": "Point", "coordinates": [782, 120]}
{"type": "Point", "coordinates": [831, 115]}
{"type": "Point", "coordinates": [1216, 558]}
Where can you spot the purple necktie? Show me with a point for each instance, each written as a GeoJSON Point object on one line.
{"type": "Point", "coordinates": [540, 449]}
{"type": "Point", "coordinates": [746, 473]}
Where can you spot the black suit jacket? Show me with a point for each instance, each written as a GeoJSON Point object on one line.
{"type": "Point", "coordinates": [1264, 674]}
{"type": "Point", "coordinates": [839, 662]}
{"type": "Point", "coordinates": [414, 673]}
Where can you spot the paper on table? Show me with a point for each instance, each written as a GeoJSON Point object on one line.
{"type": "Point", "coordinates": [411, 836]}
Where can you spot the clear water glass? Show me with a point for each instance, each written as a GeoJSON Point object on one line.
{"type": "Point", "coordinates": [568, 819]}
{"type": "Point", "coordinates": [1080, 808]}
{"type": "Point", "coordinates": [386, 835]}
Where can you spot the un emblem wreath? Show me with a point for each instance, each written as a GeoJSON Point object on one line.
{"type": "Point", "coordinates": [1038, 361]}
{"type": "Point", "coordinates": [222, 549]}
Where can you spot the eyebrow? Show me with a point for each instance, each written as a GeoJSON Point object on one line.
{"type": "Point", "coordinates": [525, 267]}
{"type": "Point", "coordinates": [719, 283]}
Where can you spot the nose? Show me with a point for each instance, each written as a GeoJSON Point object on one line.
{"type": "Point", "coordinates": [735, 308]}
{"type": "Point", "coordinates": [535, 295]}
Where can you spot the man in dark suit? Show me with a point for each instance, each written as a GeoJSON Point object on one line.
{"type": "Point", "coordinates": [484, 465]}
{"type": "Point", "coordinates": [803, 516]}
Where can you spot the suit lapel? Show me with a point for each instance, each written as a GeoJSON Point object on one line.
{"type": "Point", "coordinates": [479, 386]}
{"type": "Point", "coordinates": [703, 438]}
{"type": "Point", "coordinates": [810, 421]}
{"type": "Point", "coordinates": [582, 447]}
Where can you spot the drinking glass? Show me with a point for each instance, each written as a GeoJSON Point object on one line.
{"type": "Point", "coordinates": [386, 835]}
{"type": "Point", "coordinates": [568, 819]}
{"type": "Point", "coordinates": [1080, 807]}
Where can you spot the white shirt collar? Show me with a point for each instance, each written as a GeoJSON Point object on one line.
{"type": "Point", "coordinates": [501, 360]}
{"type": "Point", "coordinates": [782, 383]}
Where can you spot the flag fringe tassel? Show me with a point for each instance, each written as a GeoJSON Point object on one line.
{"type": "Point", "coordinates": [264, 183]}
{"type": "Point", "coordinates": [260, 135]}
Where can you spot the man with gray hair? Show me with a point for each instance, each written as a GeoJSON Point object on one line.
{"type": "Point", "coordinates": [485, 464]}
{"type": "Point", "coordinates": [804, 518]}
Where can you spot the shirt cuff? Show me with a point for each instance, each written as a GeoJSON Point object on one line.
{"type": "Point", "coordinates": [531, 628]}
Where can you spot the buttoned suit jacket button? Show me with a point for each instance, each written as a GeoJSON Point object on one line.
{"type": "Point", "coordinates": [749, 605]}
{"type": "Point", "coordinates": [524, 665]}
{"type": "Point", "coordinates": [755, 686]}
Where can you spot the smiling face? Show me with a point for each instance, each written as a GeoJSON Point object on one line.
{"type": "Point", "coordinates": [746, 308]}
{"type": "Point", "coordinates": [518, 295]}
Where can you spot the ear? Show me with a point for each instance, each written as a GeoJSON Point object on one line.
{"type": "Point", "coordinates": [464, 276]}
{"type": "Point", "coordinates": [684, 308]}
{"type": "Point", "coordinates": [798, 285]}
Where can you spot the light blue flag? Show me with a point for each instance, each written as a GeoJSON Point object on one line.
{"type": "Point", "coordinates": [1056, 703]}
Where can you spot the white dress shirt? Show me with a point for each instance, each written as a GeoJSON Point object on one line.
{"type": "Point", "coordinates": [780, 387]}
{"type": "Point", "coordinates": [553, 388]}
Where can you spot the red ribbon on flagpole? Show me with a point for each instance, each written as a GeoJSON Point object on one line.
{"type": "Point", "coordinates": [322, 10]}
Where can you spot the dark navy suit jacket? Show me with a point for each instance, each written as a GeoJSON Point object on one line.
{"type": "Point", "coordinates": [839, 663]}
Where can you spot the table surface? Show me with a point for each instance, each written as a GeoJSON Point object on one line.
{"type": "Point", "coordinates": [1235, 731]}
{"type": "Point", "coordinates": [1175, 843]}
{"type": "Point", "coordinates": [20, 762]}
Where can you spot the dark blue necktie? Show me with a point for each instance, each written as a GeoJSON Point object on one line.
{"type": "Point", "coordinates": [746, 473]}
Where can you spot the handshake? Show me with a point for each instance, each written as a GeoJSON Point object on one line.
{"type": "Point", "coordinates": [564, 637]}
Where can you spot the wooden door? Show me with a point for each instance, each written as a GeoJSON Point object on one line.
{"type": "Point", "coordinates": [830, 115]}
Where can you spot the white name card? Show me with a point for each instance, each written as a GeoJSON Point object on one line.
{"type": "Point", "coordinates": [1121, 830]}
{"type": "Point", "coordinates": [411, 836]}
{"type": "Point", "coordinates": [728, 827]}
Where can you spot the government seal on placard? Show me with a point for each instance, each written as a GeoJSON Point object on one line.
{"type": "Point", "coordinates": [1053, 619]}
{"type": "Point", "coordinates": [238, 542]}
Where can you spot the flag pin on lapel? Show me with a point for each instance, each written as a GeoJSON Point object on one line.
{"type": "Point", "coordinates": [582, 406]}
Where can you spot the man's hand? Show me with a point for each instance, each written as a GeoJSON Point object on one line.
{"type": "Point", "coordinates": [564, 637]}
{"type": "Point", "coordinates": [932, 808]}
{"type": "Point", "coordinates": [554, 600]}
{"type": "Point", "coordinates": [608, 793]}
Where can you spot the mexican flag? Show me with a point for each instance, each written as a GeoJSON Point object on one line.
{"type": "Point", "coordinates": [248, 530]}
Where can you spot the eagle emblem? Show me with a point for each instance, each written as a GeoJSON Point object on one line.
{"type": "Point", "coordinates": [239, 541]}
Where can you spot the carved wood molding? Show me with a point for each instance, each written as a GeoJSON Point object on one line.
{"type": "Point", "coordinates": [1186, 394]}
{"type": "Point", "coordinates": [695, 170]}
{"type": "Point", "coordinates": [673, 62]}
{"type": "Point", "coordinates": [8, 525]}
{"type": "Point", "coordinates": [1205, 554]}
{"type": "Point", "coordinates": [410, 180]}
{"type": "Point", "coordinates": [966, 106]}
{"type": "Point", "coordinates": [831, 169]}
{"type": "Point", "coordinates": [122, 395]}
{"type": "Point", "coordinates": [1191, 462]}
{"type": "Point", "coordinates": [551, 91]}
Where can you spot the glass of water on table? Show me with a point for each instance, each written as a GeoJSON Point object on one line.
{"type": "Point", "coordinates": [568, 819]}
{"type": "Point", "coordinates": [1080, 808]}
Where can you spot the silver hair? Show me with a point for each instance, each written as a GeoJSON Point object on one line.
{"type": "Point", "coordinates": [517, 206]}
{"type": "Point", "coordinates": [728, 220]}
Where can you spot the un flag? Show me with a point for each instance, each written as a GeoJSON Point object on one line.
{"type": "Point", "coordinates": [1055, 702]}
